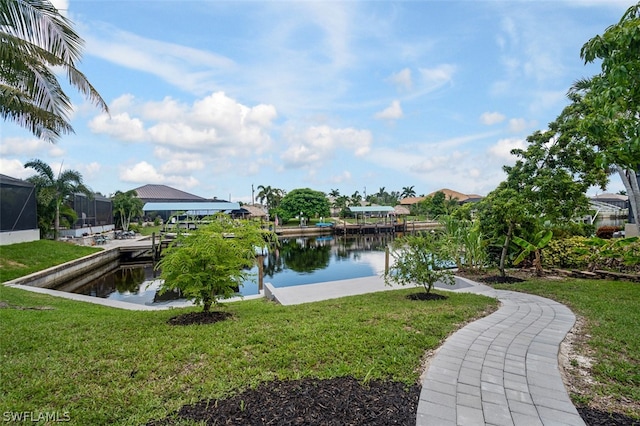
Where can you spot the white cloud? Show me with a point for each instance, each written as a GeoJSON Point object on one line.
{"type": "Point", "coordinates": [392, 112]}
{"type": "Point", "coordinates": [209, 124]}
{"type": "Point", "coordinates": [402, 79]}
{"type": "Point", "coordinates": [439, 76]}
{"type": "Point", "coordinates": [144, 172]}
{"type": "Point", "coordinates": [119, 126]}
{"type": "Point", "coordinates": [191, 69]}
{"type": "Point", "coordinates": [502, 149]}
{"type": "Point", "coordinates": [317, 144]}
{"type": "Point", "coordinates": [490, 118]}
{"type": "Point", "coordinates": [29, 147]}
{"type": "Point", "coordinates": [14, 168]}
{"type": "Point", "coordinates": [517, 125]}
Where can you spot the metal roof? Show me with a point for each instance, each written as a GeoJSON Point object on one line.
{"type": "Point", "coordinates": [196, 208]}
{"type": "Point", "coordinates": [372, 209]}
{"type": "Point", "coordinates": [158, 193]}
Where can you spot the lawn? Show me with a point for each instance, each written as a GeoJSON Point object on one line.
{"type": "Point", "coordinates": [611, 310]}
{"type": "Point", "coordinates": [17, 260]}
{"type": "Point", "coordinates": [102, 365]}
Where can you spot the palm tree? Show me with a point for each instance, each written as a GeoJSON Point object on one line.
{"type": "Point", "coordinates": [264, 193]}
{"type": "Point", "coordinates": [34, 38]}
{"type": "Point", "coordinates": [127, 205]}
{"type": "Point", "coordinates": [408, 191]}
{"type": "Point", "coordinates": [56, 191]}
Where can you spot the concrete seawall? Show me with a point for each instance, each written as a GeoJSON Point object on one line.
{"type": "Point", "coordinates": [57, 275]}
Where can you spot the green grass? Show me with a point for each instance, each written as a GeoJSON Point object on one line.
{"type": "Point", "coordinates": [109, 366]}
{"type": "Point", "coordinates": [612, 313]}
{"type": "Point", "coordinates": [17, 260]}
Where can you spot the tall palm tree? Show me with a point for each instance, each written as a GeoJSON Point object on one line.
{"type": "Point", "coordinates": [34, 37]}
{"type": "Point", "coordinates": [54, 190]}
{"type": "Point", "coordinates": [408, 191]}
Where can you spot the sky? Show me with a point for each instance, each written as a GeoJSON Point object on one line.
{"type": "Point", "coordinates": [219, 97]}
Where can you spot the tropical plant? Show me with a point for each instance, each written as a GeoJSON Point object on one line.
{"type": "Point", "coordinates": [53, 192]}
{"type": "Point", "coordinates": [534, 247]}
{"type": "Point", "coordinates": [419, 260]}
{"type": "Point", "coordinates": [408, 191]}
{"type": "Point", "coordinates": [464, 243]}
{"type": "Point", "coordinates": [208, 264]}
{"type": "Point", "coordinates": [34, 38]}
{"type": "Point", "coordinates": [126, 205]}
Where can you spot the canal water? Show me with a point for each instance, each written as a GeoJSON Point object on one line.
{"type": "Point", "coordinates": [296, 261]}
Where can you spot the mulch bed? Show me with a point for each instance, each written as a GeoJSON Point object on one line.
{"type": "Point", "coordinates": [426, 296]}
{"type": "Point", "coordinates": [593, 417]}
{"type": "Point", "coordinates": [199, 318]}
{"type": "Point", "coordinates": [340, 401]}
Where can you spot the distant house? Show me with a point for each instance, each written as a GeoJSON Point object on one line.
{"type": "Point", "coordinates": [165, 194]}
{"type": "Point", "coordinates": [448, 193]}
{"type": "Point", "coordinates": [18, 211]}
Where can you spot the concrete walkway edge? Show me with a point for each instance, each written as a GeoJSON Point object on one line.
{"type": "Point", "coordinates": [501, 369]}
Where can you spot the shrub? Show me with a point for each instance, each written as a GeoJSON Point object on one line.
{"type": "Point", "coordinates": [564, 253]}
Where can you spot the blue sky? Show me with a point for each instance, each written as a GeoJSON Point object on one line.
{"type": "Point", "coordinates": [214, 97]}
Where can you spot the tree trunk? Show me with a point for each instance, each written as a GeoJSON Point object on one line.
{"type": "Point", "coordinates": [56, 222]}
{"type": "Point", "coordinates": [630, 181]}
{"type": "Point", "coordinates": [206, 304]}
{"type": "Point", "coordinates": [505, 249]}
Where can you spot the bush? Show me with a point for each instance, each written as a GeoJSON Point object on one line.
{"type": "Point", "coordinates": [563, 253]}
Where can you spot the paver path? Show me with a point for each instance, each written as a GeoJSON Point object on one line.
{"type": "Point", "coordinates": [501, 369]}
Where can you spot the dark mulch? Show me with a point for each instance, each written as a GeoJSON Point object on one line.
{"type": "Point", "coordinates": [339, 401]}
{"type": "Point", "coordinates": [199, 318]}
{"type": "Point", "coordinates": [594, 417]}
{"type": "Point", "coordinates": [426, 296]}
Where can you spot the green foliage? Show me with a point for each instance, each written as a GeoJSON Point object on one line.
{"type": "Point", "coordinates": [540, 241]}
{"type": "Point", "coordinates": [464, 243]}
{"type": "Point", "coordinates": [306, 201]}
{"type": "Point", "coordinates": [419, 259]}
{"type": "Point", "coordinates": [126, 206]}
{"type": "Point", "coordinates": [54, 193]}
{"type": "Point", "coordinates": [565, 253]}
{"type": "Point", "coordinates": [36, 41]}
{"type": "Point", "coordinates": [617, 254]}
{"type": "Point", "coordinates": [210, 263]}
{"type": "Point", "coordinates": [437, 205]}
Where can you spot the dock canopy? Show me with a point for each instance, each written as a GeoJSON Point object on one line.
{"type": "Point", "coordinates": [372, 210]}
{"type": "Point", "coordinates": [192, 208]}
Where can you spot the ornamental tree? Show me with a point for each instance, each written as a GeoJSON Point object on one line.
{"type": "Point", "coordinates": [419, 260]}
{"type": "Point", "coordinates": [210, 263]}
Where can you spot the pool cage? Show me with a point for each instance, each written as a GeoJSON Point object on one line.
{"type": "Point", "coordinates": [18, 211]}
{"type": "Point", "coordinates": [94, 211]}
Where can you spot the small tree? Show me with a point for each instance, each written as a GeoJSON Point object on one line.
{"type": "Point", "coordinates": [419, 260]}
{"type": "Point", "coordinates": [210, 263]}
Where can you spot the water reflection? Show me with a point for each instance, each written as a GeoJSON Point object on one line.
{"type": "Point", "coordinates": [296, 261]}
